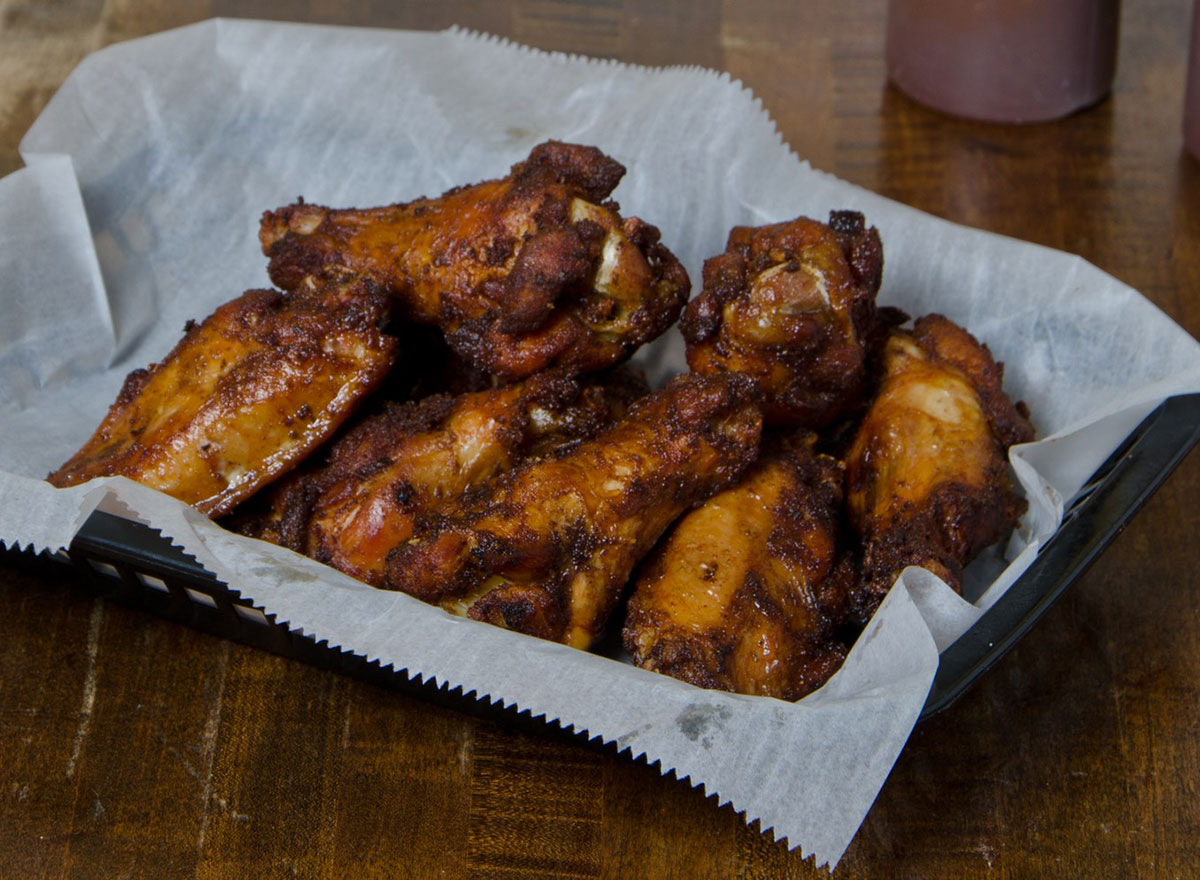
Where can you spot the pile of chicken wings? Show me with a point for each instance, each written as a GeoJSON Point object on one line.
{"type": "Point", "coordinates": [435, 401]}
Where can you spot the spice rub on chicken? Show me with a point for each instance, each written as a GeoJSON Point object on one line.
{"type": "Point", "coordinates": [419, 458]}
{"type": "Point", "coordinates": [927, 479]}
{"type": "Point", "coordinates": [530, 271]}
{"type": "Point", "coordinates": [549, 548]}
{"type": "Point", "coordinates": [244, 396]}
{"type": "Point", "coordinates": [793, 305]}
{"type": "Point", "coordinates": [748, 591]}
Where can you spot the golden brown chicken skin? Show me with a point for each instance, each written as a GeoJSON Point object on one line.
{"type": "Point", "coordinates": [548, 551]}
{"type": "Point", "coordinates": [793, 305]}
{"type": "Point", "coordinates": [748, 590]}
{"type": "Point", "coordinates": [420, 458]}
{"type": "Point", "coordinates": [244, 396]}
{"type": "Point", "coordinates": [522, 273]}
{"type": "Point", "coordinates": [927, 479]}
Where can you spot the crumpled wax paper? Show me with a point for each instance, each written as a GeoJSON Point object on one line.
{"type": "Point", "coordinates": [138, 210]}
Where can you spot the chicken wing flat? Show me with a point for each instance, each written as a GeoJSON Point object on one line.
{"type": "Point", "coordinates": [927, 479]}
{"type": "Point", "coordinates": [244, 396]}
{"type": "Point", "coordinates": [748, 590]}
{"type": "Point", "coordinates": [522, 273]}
{"type": "Point", "coordinates": [548, 551]}
{"type": "Point", "coordinates": [793, 305]}
{"type": "Point", "coordinates": [420, 458]}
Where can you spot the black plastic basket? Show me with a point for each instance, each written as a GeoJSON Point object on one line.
{"type": "Point", "coordinates": [133, 564]}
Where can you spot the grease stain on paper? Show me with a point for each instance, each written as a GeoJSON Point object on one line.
{"type": "Point", "coordinates": [698, 719]}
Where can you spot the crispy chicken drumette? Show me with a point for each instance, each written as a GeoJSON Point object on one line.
{"type": "Point", "coordinates": [793, 305]}
{"type": "Point", "coordinates": [747, 591]}
{"type": "Point", "coordinates": [550, 547]}
{"type": "Point", "coordinates": [927, 479]}
{"type": "Point", "coordinates": [244, 396]}
{"type": "Point", "coordinates": [521, 273]}
{"type": "Point", "coordinates": [420, 458]}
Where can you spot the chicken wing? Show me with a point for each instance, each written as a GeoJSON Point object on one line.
{"type": "Point", "coordinates": [548, 551]}
{"type": "Point", "coordinates": [244, 396]}
{"type": "Point", "coordinates": [747, 592]}
{"type": "Point", "coordinates": [793, 305]}
{"type": "Point", "coordinates": [521, 273]}
{"type": "Point", "coordinates": [927, 479]}
{"type": "Point", "coordinates": [420, 458]}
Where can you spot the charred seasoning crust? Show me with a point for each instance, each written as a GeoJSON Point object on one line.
{"type": "Point", "coordinates": [793, 573]}
{"type": "Point", "coordinates": [262, 356]}
{"type": "Point", "coordinates": [943, 535]}
{"type": "Point", "coordinates": [419, 459]}
{"type": "Point", "coordinates": [550, 520]}
{"type": "Point", "coordinates": [590, 171]}
{"type": "Point", "coordinates": [810, 357]}
{"type": "Point", "coordinates": [517, 279]}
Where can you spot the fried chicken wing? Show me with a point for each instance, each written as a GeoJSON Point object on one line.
{"type": "Point", "coordinates": [748, 590]}
{"type": "Point", "coordinates": [244, 396]}
{"type": "Point", "coordinates": [927, 479]}
{"type": "Point", "coordinates": [548, 551]}
{"type": "Point", "coordinates": [420, 458]}
{"type": "Point", "coordinates": [521, 273]}
{"type": "Point", "coordinates": [793, 305]}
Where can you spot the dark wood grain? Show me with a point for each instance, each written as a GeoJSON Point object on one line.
{"type": "Point", "coordinates": [130, 746]}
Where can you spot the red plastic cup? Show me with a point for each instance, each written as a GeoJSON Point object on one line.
{"type": "Point", "coordinates": [1191, 105]}
{"type": "Point", "coordinates": [1003, 60]}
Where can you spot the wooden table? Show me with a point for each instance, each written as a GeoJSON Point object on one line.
{"type": "Point", "coordinates": [130, 746]}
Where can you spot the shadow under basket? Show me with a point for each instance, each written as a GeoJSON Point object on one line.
{"type": "Point", "coordinates": [133, 564]}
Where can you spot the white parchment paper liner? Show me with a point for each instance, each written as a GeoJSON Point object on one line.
{"type": "Point", "coordinates": [138, 210]}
